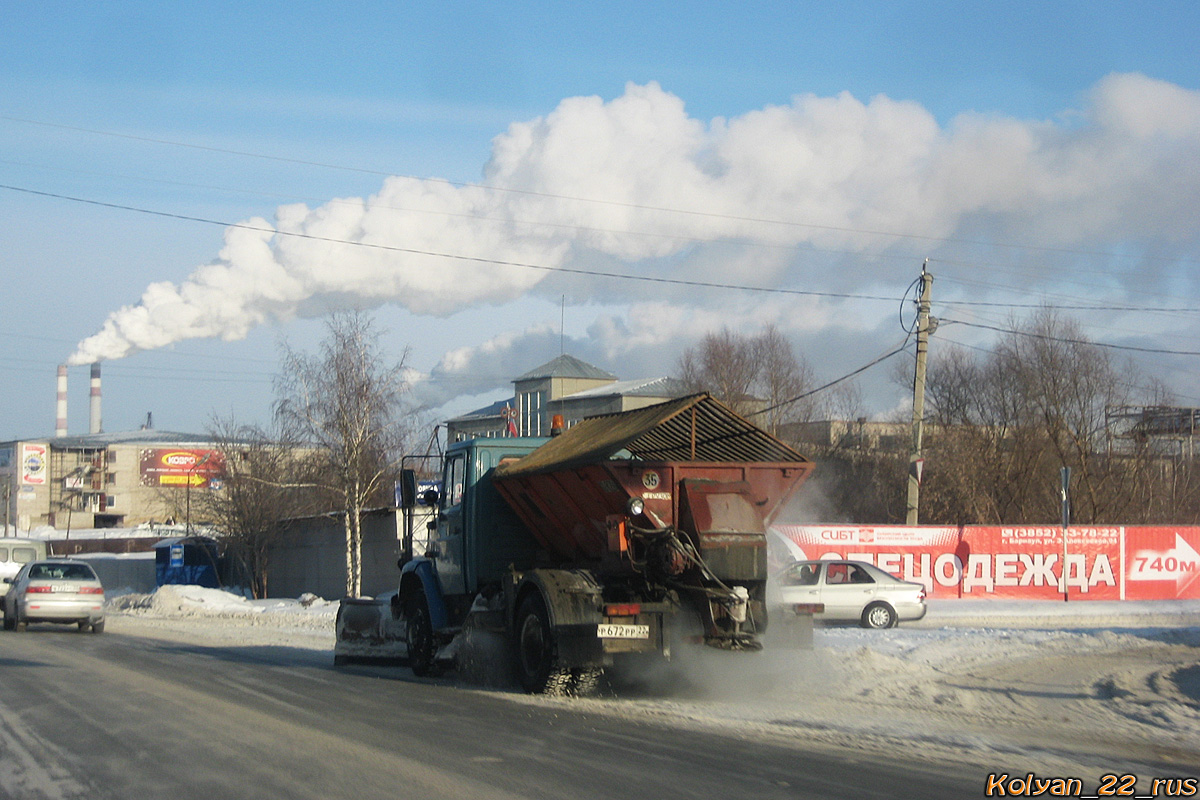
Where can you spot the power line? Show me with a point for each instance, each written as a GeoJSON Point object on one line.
{"type": "Point", "coordinates": [1056, 304]}
{"type": "Point", "coordinates": [598, 201]}
{"type": "Point", "coordinates": [991, 352]}
{"type": "Point", "coordinates": [222, 356]}
{"type": "Point", "coordinates": [1067, 340]}
{"type": "Point", "coordinates": [1068, 307]}
{"type": "Point", "coordinates": [547, 268]}
{"type": "Point", "coordinates": [833, 382]}
{"type": "Point", "coordinates": [458, 257]}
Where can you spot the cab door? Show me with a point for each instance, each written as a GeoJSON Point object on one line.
{"type": "Point", "coordinates": [451, 521]}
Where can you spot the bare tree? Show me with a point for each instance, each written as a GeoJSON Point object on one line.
{"type": "Point", "coordinates": [265, 483]}
{"type": "Point", "coordinates": [780, 379]}
{"type": "Point", "coordinates": [1005, 425]}
{"type": "Point", "coordinates": [723, 364]}
{"type": "Point", "coordinates": [348, 403]}
{"type": "Point", "coordinates": [756, 376]}
{"type": "Point", "coordinates": [841, 401]}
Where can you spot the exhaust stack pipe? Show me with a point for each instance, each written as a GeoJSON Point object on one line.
{"type": "Point", "coordinates": [94, 426]}
{"type": "Point", "coordinates": [60, 422]}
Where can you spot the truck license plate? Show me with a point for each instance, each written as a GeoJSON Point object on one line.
{"type": "Point", "coordinates": [610, 631]}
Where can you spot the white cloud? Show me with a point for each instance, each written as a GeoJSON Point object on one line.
{"type": "Point", "coordinates": [587, 185]}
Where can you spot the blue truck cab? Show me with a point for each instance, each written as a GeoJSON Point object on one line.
{"type": "Point", "coordinates": [475, 541]}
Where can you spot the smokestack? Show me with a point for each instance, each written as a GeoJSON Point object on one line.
{"type": "Point", "coordinates": [60, 423]}
{"type": "Point", "coordinates": [94, 425]}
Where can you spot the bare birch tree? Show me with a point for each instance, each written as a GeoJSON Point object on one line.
{"type": "Point", "coordinates": [347, 402]}
{"type": "Point", "coordinates": [264, 484]}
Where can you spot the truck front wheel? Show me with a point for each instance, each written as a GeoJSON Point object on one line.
{"type": "Point", "coordinates": [419, 637]}
{"type": "Point", "coordinates": [537, 655]}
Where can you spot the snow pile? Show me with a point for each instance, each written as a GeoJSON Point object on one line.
{"type": "Point", "coordinates": [208, 605]}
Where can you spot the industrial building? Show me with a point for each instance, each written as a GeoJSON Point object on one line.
{"type": "Point", "coordinates": [127, 479]}
{"type": "Point", "coordinates": [565, 386]}
{"type": "Point", "coordinates": [102, 480]}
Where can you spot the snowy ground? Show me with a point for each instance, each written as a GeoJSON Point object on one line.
{"type": "Point", "coordinates": [1079, 688]}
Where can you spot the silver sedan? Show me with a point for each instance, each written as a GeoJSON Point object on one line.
{"type": "Point", "coordinates": [55, 590]}
{"type": "Point", "coordinates": [848, 591]}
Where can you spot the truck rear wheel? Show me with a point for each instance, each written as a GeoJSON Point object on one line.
{"type": "Point", "coordinates": [537, 653]}
{"type": "Point", "coordinates": [419, 637]}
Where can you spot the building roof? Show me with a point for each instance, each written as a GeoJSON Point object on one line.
{"type": "Point", "coordinates": [639, 387]}
{"type": "Point", "coordinates": [566, 366]}
{"type": "Point", "coordinates": [146, 436]}
{"type": "Point", "coordinates": [493, 411]}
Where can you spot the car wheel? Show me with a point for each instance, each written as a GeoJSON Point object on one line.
{"type": "Point", "coordinates": [878, 615]}
{"type": "Point", "coordinates": [98, 626]}
{"type": "Point", "coordinates": [419, 637]}
{"type": "Point", "coordinates": [10, 623]}
{"type": "Point", "coordinates": [537, 651]}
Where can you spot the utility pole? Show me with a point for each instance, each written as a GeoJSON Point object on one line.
{"type": "Point", "coordinates": [916, 461]}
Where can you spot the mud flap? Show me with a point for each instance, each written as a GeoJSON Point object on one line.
{"type": "Point", "coordinates": [572, 599]}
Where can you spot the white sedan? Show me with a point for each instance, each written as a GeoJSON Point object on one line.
{"type": "Point", "coordinates": [55, 590]}
{"type": "Point", "coordinates": [848, 591]}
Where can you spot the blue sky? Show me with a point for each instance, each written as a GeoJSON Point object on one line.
{"type": "Point", "coordinates": [1036, 152]}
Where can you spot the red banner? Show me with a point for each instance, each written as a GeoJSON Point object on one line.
{"type": "Point", "coordinates": [177, 467]}
{"type": "Point", "coordinates": [1014, 562]}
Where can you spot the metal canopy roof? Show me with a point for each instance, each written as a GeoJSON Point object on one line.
{"type": "Point", "coordinates": [694, 428]}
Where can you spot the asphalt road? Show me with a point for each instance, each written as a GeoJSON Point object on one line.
{"type": "Point", "coordinates": [122, 716]}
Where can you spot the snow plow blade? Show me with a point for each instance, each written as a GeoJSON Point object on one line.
{"type": "Point", "coordinates": [368, 631]}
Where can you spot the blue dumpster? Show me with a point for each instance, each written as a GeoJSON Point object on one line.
{"type": "Point", "coordinates": [188, 560]}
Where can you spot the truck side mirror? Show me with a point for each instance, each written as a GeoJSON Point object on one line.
{"type": "Point", "coordinates": [408, 488]}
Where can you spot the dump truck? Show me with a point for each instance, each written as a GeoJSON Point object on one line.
{"type": "Point", "coordinates": [626, 536]}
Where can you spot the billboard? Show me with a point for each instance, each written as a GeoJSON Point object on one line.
{"type": "Point", "coordinates": [163, 466]}
{"type": "Point", "coordinates": [1019, 562]}
{"type": "Point", "coordinates": [33, 464]}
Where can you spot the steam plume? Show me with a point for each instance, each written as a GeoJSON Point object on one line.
{"type": "Point", "coordinates": [1126, 171]}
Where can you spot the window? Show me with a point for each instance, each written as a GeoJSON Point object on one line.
{"type": "Point", "coordinates": [23, 555]}
{"type": "Point", "coordinates": [803, 575]}
{"type": "Point", "coordinates": [455, 479]}
{"type": "Point", "coordinates": [71, 572]}
{"type": "Point", "coordinates": [859, 575]}
{"type": "Point", "coordinates": [530, 405]}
